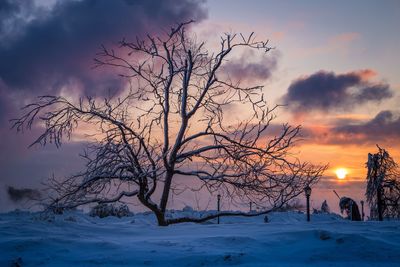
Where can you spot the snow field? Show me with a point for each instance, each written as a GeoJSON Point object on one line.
{"type": "Point", "coordinates": [76, 239]}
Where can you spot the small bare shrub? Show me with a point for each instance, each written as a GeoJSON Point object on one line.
{"type": "Point", "coordinates": [105, 210]}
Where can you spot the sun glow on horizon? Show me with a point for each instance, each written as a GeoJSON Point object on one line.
{"type": "Point", "coordinates": [341, 173]}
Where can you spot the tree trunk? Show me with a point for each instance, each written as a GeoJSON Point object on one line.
{"type": "Point", "coordinates": [160, 215]}
{"type": "Point", "coordinates": [165, 194]}
{"type": "Point", "coordinates": [161, 219]}
{"type": "Point", "coordinates": [379, 202]}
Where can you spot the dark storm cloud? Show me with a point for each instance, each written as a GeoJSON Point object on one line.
{"type": "Point", "coordinates": [7, 7]}
{"type": "Point", "coordinates": [384, 128]}
{"type": "Point", "coordinates": [385, 125]}
{"type": "Point", "coordinates": [55, 48]}
{"type": "Point", "coordinates": [257, 71]}
{"type": "Point", "coordinates": [326, 91]}
{"type": "Point", "coordinates": [3, 104]}
{"type": "Point", "coordinates": [13, 15]}
{"type": "Point", "coordinates": [6, 107]}
{"type": "Point", "coordinates": [375, 92]}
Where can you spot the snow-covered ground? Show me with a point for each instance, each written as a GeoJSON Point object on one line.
{"type": "Point", "coordinates": [75, 239]}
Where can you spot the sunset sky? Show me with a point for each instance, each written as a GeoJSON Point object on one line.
{"type": "Point", "coordinates": [335, 67]}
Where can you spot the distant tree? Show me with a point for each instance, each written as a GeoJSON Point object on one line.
{"type": "Point", "coordinates": [172, 122]}
{"type": "Point", "coordinates": [325, 208]}
{"type": "Point", "coordinates": [383, 185]}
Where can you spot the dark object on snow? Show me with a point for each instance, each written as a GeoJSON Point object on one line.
{"type": "Point", "coordinates": [17, 195]}
{"type": "Point", "coordinates": [218, 205]}
{"type": "Point", "coordinates": [105, 210]}
{"type": "Point", "coordinates": [325, 208]}
{"type": "Point", "coordinates": [17, 262]}
{"type": "Point", "coordinates": [362, 210]}
{"type": "Point", "coordinates": [57, 210]}
{"type": "Point", "coordinates": [324, 235]}
{"type": "Point", "coordinates": [351, 208]}
{"type": "Point", "coordinates": [266, 220]}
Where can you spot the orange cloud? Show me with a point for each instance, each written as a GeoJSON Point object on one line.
{"type": "Point", "coordinates": [366, 74]}
{"type": "Point", "coordinates": [347, 37]}
{"type": "Point", "coordinates": [277, 36]}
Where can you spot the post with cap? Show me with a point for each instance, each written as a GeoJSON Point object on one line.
{"type": "Point", "coordinates": [218, 206]}
{"type": "Point", "coordinates": [362, 210]}
{"type": "Point", "coordinates": [307, 191]}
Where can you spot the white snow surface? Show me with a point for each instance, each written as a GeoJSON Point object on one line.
{"type": "Point", "coordinates": [76, 239]}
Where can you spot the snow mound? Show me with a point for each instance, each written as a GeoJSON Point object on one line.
{"type": "Point", "coordinates": [76, 239]}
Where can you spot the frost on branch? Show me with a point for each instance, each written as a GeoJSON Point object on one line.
{"type": "Point", "coordinates": [383, 185]}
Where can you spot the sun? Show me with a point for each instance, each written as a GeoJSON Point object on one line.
{"type": "Point", "coordinates": [341, 173]}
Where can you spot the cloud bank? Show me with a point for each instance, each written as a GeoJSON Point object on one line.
{"type": "Point", "coordinates": [327, 91]}
{"type": "Point", "coordinates": [384, 128]}
{"type": "Point", "coordinates": [53, 48]}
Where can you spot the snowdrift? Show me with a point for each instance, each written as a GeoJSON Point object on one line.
{"type": "Point", "coordinates": [76, 239]}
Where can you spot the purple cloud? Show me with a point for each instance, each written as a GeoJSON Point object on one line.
{"type": "Point", "coordinates": [257, 71]}
{"type": "Point", "coordinates": [56, 47]}
{"type": "Point", "coordinates": [383, 127]}
{"type": "Point", "coordinates": [326, 91]}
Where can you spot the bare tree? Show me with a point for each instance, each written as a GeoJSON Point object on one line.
{"type": "Point", "coordinates": [171, 123]}
{"type": "Point", "coordinates": [383, 185]}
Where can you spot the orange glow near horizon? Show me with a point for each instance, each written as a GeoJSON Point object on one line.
{"type": "Point", "coordinates": [341, 173]}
